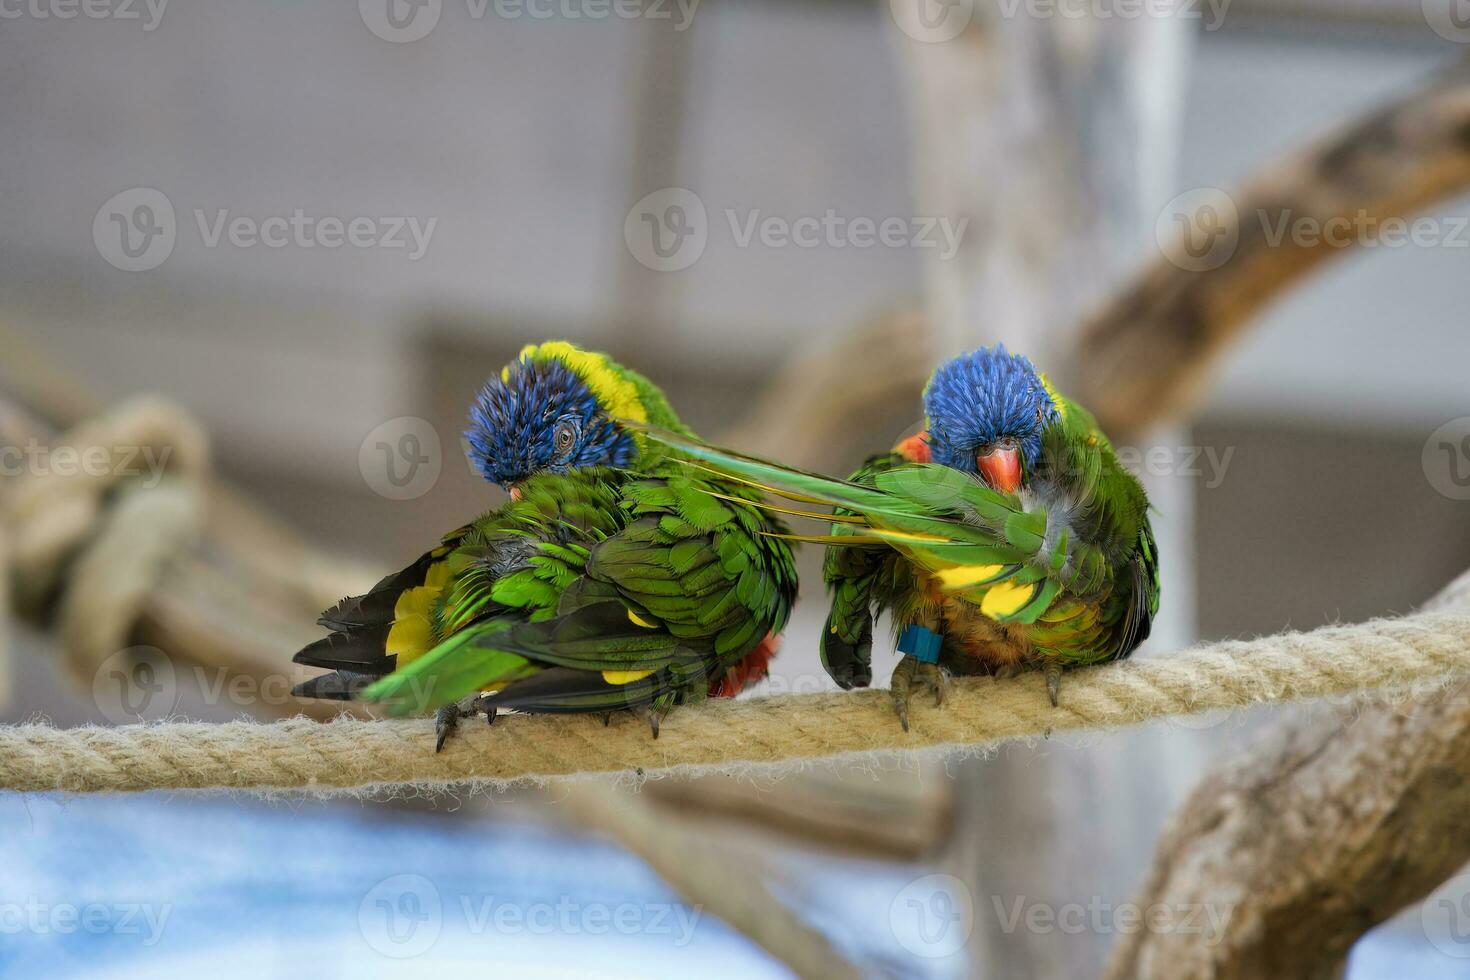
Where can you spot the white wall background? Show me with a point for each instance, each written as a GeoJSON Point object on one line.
{"type": "Point", "coordinates": [516, 136]}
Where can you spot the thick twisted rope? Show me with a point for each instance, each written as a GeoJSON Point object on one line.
{"type": "Point", "coordinates": [1428, 648]}
{"type": "Point", "coordinates": [98, 528]}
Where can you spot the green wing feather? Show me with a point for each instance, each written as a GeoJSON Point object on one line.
{"type": "Point", "coordinates": [602, 572]}
{"type": "Point", "coordinates": [1070, 562]}
{"type": "Point", "coordinates": [942, 520]}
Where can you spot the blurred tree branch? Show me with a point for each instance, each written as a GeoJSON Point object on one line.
{"type": "Point", "coordinates": [1330, 825]}
{"type": "Point", "coordinates": [1145, 356]}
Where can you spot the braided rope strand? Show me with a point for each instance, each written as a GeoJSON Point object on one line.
{"type": "Point", "coordinates": [353, 755]}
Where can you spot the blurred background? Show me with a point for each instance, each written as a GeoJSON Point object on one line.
{"type": "Point", "coordinates": [317, 229]}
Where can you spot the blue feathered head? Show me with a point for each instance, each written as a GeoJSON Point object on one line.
{"type": "Point", "coordinates": [552, 410]}
{"type": "Point", "coordinates": [986, 411]}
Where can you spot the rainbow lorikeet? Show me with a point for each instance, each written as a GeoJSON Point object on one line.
{"type": "Point", "coordinates": [615, 578]}
{"type": "Point", "coordinates": [1005, 535]}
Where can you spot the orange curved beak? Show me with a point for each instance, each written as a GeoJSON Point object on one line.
{"type": "Point", "coordinates": [515, 493]}
{"type": "Point", "coordinates": [1000, 467]}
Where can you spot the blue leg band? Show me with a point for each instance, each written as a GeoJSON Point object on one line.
{"type": "Point", "coordinates": [920, 643]}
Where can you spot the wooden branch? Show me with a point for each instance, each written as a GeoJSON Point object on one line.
{"type": "Point", "coordinates": [1325, 829]}
{"type": "Point", "coordinates": [899, 816]}
{"type": "Point", "coordinates": [1144, 356]}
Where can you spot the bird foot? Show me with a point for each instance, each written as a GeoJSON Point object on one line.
{"type": "Point", "coordinates": [1053, 682]}
{"type": "Point", "coordinates": [482, 705]}
{"type": "Point", "coordinates": [649, 714]}
{"type": "Point", "coordinates": [446, 719]}
{"type": "Point", "coordinates": [911, 676]}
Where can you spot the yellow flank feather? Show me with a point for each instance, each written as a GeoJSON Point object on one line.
{"type": "Point", "coordinates": [617, 395]}
{"type": "Point", "coordinates": [409, 638]}
{"type": "Point", "coordinates": [1005, 598]}
{"type": "Point", "coordinates": [411, 635]}
{"type": "Point", "coordinates": [624, 676]}
{"type": "Point", "coordinates": [1056, 398]}
{"type": "Point", "coordinates": [963, 575]}
{"type": "Point", "coordinates": [638, 620]}
{"type": "Point", "coordinates": [908, 536]}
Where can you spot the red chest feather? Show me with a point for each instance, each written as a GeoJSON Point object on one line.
{"type": "Point", "coordinates": [750, 669]}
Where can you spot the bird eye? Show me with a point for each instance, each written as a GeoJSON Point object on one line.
{"type": "Point", "coordinates": [564, 438]}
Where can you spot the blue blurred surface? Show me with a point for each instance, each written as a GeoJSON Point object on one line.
{"type": "Point", "coordinates": [150, 886]}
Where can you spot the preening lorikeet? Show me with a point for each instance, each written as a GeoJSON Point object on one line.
{"type": "Point", "coordinates": [614, 579]}
{"type": "Point", "coordinates": [1005, 535]}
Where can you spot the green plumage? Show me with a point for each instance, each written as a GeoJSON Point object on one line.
{"type": "Point", "coordinates": [1062, 573]}
{"type": "Point", "coordinates": [549, 581]}
{"type": "Point", "coordinates": [599, 587]}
